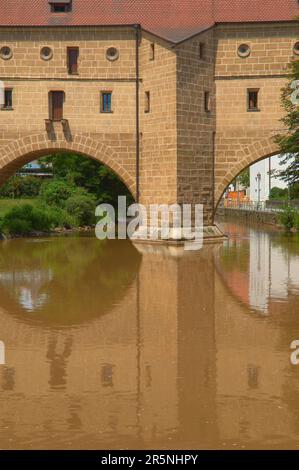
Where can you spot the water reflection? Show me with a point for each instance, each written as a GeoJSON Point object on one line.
{"type": "Point", "coordinates": [260, 267]}
{"type": "Point", "coordinates": [64, 280]}
{"type": "Point", "coordinates": [149, 347]}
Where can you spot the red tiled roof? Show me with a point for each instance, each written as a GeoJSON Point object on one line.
{"type": "Point", "coordinates": [173, 20]}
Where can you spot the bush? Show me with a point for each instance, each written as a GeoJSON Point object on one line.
{"type": "Point", "coordinates": [288, 218]}
{"type": "Point", "coordinates": [56, 192]}
{"type": "Point", "coordinates": [25, 219]}
{"type": "Point", "coordinates": [278, 193]}
{"type": "Point", "coordinates": [21, 187]}
{"type": "Point", "coordinates": [60, 218]}
{"type": "Point", "coordinates": [82, 207]}
{"type": "Point", "coordinates": [297, 220]}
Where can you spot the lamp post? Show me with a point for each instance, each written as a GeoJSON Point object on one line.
{"type": "Point", "coordinates": [258, 177]}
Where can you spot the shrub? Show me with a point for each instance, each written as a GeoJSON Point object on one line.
{"type": "Point", "coordinates": [60, 218]}
{"type": "Point", "coordinates": [21, 187]}
{"type": "Point", "coordinates": [278, 193]}
{"type": "Point", "coordinates": [56, 192]}
{"type": "Point", "coordinates": [25, 219]}
{"type": "Point", "coordinates": [288, 217]}
{"type": "Point", "coordinates": [297, 220]}
{"type": "Point", "coordinates": [82, 207]}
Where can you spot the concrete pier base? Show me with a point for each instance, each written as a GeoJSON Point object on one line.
{"type": "Point", "coordinates": [153, 235]}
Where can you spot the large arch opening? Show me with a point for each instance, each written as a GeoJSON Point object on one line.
{"type": "Point", "coordinates": [84, 173]}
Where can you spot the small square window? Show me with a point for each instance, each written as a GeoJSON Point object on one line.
{"type": "Point", "coordinates": [152, 51]}
{"type": "Point", "coordinates": [106, 102]}
{"type": "Point", "coordinates": [202, 50]}
{"type": "Point", "coordinates": [147, 108]}
{"type": "Point", "coordinates": [253, 100]}
{"type": "Point", "coordinates": [207, 102]}
{"type": "Point", "coordinates": [8, 99]}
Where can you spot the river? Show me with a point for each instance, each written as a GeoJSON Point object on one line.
{"type": "Point", "coordinates": [111, 346]}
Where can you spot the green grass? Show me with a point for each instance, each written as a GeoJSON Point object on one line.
{"type": "Point", "coordinates": [7, 204]}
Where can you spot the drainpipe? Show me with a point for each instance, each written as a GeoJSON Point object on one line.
{"type": "Point", "coordinates": [137, 31]}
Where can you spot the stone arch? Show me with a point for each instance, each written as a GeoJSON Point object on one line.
{"type": "Point", "coordinates": [17, 153]}
{"type": "Point", "coordinates": [248, 155]}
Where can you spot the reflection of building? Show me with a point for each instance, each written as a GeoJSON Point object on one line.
{"type": "Point", "coordinates": [176, 362]}
{"type": "Point", "coordinates": [262, 179]}
{"type": "Point", "coordinates": [271, 273]}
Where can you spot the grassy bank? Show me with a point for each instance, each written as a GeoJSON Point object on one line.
{"type": "Point", "coordinates": [7, 204]}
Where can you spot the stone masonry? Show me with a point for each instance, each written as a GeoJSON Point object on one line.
{"type": "Point", "coordinates": [188, 153]}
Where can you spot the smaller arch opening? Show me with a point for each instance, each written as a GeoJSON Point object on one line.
{"type": "Point", "coordinates": [262, 184]}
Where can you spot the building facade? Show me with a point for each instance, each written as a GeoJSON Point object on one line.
{"type": "Point", "coordinates": [176, 97]}
{"type": "Point", "coordinates": [263, 177]}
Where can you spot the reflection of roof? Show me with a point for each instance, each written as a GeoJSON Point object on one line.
{"type": "Point", "coordinates": [173, 20]}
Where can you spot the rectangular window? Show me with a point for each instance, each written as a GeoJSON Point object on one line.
{"type": "Point", "coordinates": [202, 50]}
{"type": "Point", "coordinates": [7, 99]}
{"type": "Point", "coordinates": [106, 102]}
{"type": "Point", "coordinates": [152, 51]}
{"type": "Point", "coordinates": [252, 100]}
{"type": "Point", "coordinates": [147, 107]}
{"type": "Point", "coordinates": [207, 102]}
{"type": "Point", "coordinates": [56, 100]}
{"type": "Point", "coordinates": [72, 60]}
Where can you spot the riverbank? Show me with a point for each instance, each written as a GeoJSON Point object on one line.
{"type": "Point", "coordinates": [51, 233]}
{"type": "Point", "coordinates": [263, 217]}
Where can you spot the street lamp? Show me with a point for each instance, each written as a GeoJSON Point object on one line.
{"type": "Point", "coordinates": [259, 177]}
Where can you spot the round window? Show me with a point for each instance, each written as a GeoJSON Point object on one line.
{"type": "Point", "coordinates": [296, 48]}
{"type": "Point", "coordinates": [112, 54]}
{"type": "Point", "coordinates": [46, 53]}
{"type": "Point", "coordinates": [6, 52]}
{"type": "Point", "coordinates": [244, 50]}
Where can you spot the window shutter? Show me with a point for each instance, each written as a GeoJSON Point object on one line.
{"type": "Point", "coordinates": [73, 54]}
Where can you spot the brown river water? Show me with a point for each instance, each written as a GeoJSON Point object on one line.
{"type": "Point", "coordinates": [111, 346]}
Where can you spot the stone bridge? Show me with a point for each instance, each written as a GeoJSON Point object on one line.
{"type": "Point", "coordinates": [180, 121]}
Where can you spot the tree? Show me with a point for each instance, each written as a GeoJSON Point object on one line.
{"type": "Point", "coordinates": [278, 193]}
{"type": "Point", "coordinates": [89, 174]}
{"type": "Point", "coordinates": [289, 143]}
{"type": "Point", "coordinates": [244, 178]}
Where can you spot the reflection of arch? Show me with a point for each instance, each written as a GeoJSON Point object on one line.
{"type": "Point", "coordinates": [248, 155]}
{"type": "Point", "coordinates": [83, 267]}
{"type": "Point", "coordinates": [19, 152]}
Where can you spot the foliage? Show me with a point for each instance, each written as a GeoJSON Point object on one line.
{"type": "Point", "coordinates": [89, 174]}
{"type": "Point", "coordinates": [82, 207]}
{"type": "Point", "coordinates": [278, 193]}
{"type": "Point", "coordinates": [59, 217]}
{"type": "Point", "coordinates": [7, 204]}
{"type": "Point", "coordinates": [288, 218]}
{"type": "Point", "coordinates": [294, 191]}
{"type": "Point", "coordinates": [244, 178]}
{"type": "Point", "coordinates": [289, 143]}
{"type": "Point", "coordinates": [25, 219]}
{"type": "Point", "coordinates": [56, 192]}
{"type": "Point", "coordinates": [21, 187]}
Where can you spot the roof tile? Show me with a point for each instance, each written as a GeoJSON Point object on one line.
{"type": "Point", "coordinates": [173, 20]}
